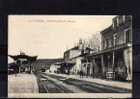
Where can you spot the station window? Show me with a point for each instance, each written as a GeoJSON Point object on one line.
{"type": "Point", "coordinates": [120, 18]}
{"type": "Point", "coordinates": [114, 23]}
{"type": "Point", "coordinates": [110, 43]}
{"type": "Point", "coordinates": [115, 39]}
{"type": "Point", "coordinates": [104, 44]}
{"type": "Point", "coordinates": [128, 17]}
{"type": "Point", "coordinates": [128, 36]}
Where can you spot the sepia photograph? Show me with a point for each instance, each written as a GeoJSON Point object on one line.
{"type": "Point", "coordinates": [70, 56]}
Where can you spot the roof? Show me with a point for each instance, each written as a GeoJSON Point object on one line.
{"type": "Point", "coordinates": [12, 65]}
{"type": "Point", "coordinates": [107, 30]}
{"type": "Point", "coordinates": [49, 61]}
{"type": "Point", "coordinates": [83, 54]}
{"type": "Point", "coordinates": [74, 48]}
{"type": "Point", "coordinates": [87, 48]}
{"type": "Point", "coordinates": [31, 58]}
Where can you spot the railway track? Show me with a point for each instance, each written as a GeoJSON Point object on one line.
{"type": "Point", "coordinates": [46, 85]}
{"type": "Point", "coordinates": [49, 83]}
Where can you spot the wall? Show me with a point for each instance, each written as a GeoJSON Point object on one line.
{"type": "Point", "coordinates": [54, 68]}
{"type": "Point", "coordinates": [128, 62]}
{"type": "Point", "coordinates": [107, 40]}
{"type": "Point", "coordinates": [77, 67]}
{"type": "Point", "coordinates": [117, 31]}
{"type": "Point", "coordinates": [74, 53]}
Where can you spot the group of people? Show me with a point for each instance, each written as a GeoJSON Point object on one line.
{"type": "Point", "coordinates": [82, 74]}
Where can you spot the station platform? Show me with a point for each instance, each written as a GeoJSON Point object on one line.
{"type": "Point", "coordinates": [22, 83]}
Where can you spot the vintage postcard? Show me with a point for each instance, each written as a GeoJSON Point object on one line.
{"type": "Point", "coordinates": [70, 56]}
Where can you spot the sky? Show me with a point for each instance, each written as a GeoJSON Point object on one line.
{"type": "Point", "coordinates": [48, 36]}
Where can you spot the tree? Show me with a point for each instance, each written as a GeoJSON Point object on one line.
{"type": "Point", "coordinates": [93, 42]}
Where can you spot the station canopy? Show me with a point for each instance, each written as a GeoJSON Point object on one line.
{"type": "Point", "coordinates": [29, 58]}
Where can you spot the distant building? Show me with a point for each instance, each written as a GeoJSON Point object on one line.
{"type": "Point", "coordinates": [47, 64]}
{"type": "Point", "coordinates": [68, 63]}
{"type": "Point", "coordinates": [75, 61]}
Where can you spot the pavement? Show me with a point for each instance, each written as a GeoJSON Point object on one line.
{"type": "Point", "coordinates": [22, 83]}
{"type": "Point", "coordinates": [125, 85]}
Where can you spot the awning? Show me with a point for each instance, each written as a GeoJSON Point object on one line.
{"type": "Point", "coordinates": [122, 46]}
{"type": "Point", "coordinates": [68, 63]}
